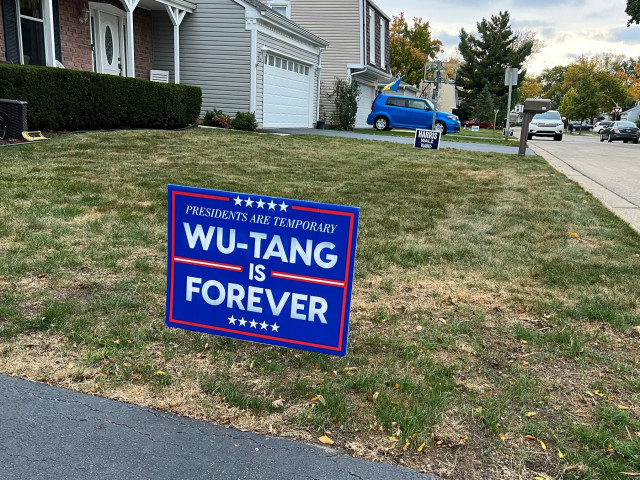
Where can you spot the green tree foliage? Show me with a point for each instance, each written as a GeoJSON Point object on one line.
{"type": "Point", "coordinates": [552, 81]}
{"type": "Point", "coordinates": [483, 109]}
{"type": "Point", "coordinates": [582, 101]}
{"type": "Point", "coordinates": [486, 54]}
{"type": "Point", "coordinates": [410, 48]}
{"type": "Point", "coordinates": [529, 88]}
{"type": "Point", "coordinates": [346, 102]}
{"type": "Point", "coordinates": [633, 10]}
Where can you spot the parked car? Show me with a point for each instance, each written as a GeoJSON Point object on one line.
{"type": "Point", "coordinates": [621, 130]}
{"type": "Point", "coordinates": [602, 124]}
{"type": "Point", "coordinates": [479, 123]}
{"type": "Point", "coordinates": [546, 124]}
{"type": "Point", "coordinates": [575, 125]}
{"type": "Point", "coordinates": [396, 111]}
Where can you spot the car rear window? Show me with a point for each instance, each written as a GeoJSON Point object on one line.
{"type": "Point", "coordinates": [626, 124]}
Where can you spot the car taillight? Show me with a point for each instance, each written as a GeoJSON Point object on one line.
{"type": "Point", "coordinates": [616, 130]}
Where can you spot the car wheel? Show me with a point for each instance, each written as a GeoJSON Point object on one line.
{"type": "Point", "coordinates": [601, 138]}
{"type": "Point", "coordinates": [625, 141]}
{"type": "Point", "coordinates": [557, 138]}
{"type": "Point", "coordinates": [529, 136]}
{"type": "Point", "coordinates": [635, 141]}
{"type": "Point", "coordinates": [590, 129]}
{"type": "Point", "coordinates": [381, 123]}
{"type": "Point", "coordinates": [440, 127]}
{"type": "Point", "coordinates": [610, 138]}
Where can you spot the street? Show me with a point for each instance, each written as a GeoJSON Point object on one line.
{"type": "Point", "coordinates": [610, 171]}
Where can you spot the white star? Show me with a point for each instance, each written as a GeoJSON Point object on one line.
{"type": "Point", "coordinates": [283, 206]}
{"type": "Point", "coordinates": [249, 202]}
{"type": "Point", "coordinates": [260, 203]}
{"type": "Point", "coordinates": [232, 320]}
{"type": "Point", "coordinates": [272, 205]}
{"type": "Point", "coordinates": [238, 200]}
{"type": "Point", "coordinates": [253, 323]}
{"type": "Point", "coordinates": [242, 322]}
{"type": "Point", "coordinates": [275, 327]}
{"type": "Point", "coordinates": [263, 325]}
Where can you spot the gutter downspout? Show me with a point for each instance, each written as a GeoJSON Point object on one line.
{"type": "Point", "coordinates": [319, 70]}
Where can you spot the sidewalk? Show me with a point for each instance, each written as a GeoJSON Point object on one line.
{"type": "Point", "coordinates": [50, 433]}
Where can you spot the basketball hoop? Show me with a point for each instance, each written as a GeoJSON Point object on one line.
{"type": "Point", "coordinates": [440, 72]}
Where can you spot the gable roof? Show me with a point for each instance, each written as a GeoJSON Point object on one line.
{"type": "Point", "coordinates": [275, 17]}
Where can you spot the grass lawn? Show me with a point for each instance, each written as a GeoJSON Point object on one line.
{"type": "Point", "coordinates": [465, 135]}
{"type": "Point", "coordinates": [492, 332]}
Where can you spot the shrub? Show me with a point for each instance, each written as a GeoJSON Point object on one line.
{"type": "Point", "coordinates": [245, 121]}
{"type": "Point", "coordinates": [346, 102]}
{"type": "Point", "coordinates": [218, 119]}
{"type": "Point", "coordinates": [60, 99]}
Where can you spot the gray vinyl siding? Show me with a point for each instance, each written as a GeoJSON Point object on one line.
{"type": "Point", "coordinates": [337, 22]}
{"type": "Point", "coordinates": [215, 51]}
{"type": "Point", "coordinates": [162, 38]}
{"type": "Point", "coordinates": [291, 52]}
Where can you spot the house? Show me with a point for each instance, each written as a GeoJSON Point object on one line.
{"type": "Point", "coordinates": [358, 36]}
{"type": "Point", "coordinates": [405, 89]}
{"type": "Point", "coordinates": [631, 115]}
{"type": "Point", "coordinates": [243, 55]}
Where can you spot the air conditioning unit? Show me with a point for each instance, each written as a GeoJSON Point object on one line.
{"type": "Point", "coordinates": [13, 114]}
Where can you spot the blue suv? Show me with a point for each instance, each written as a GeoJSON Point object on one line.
{"type": "Point", "coordinates": [396, 111]}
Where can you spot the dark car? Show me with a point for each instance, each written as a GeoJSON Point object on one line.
{"type": "Point", "coordinates": [576, 126]}
{"type": "Point", "coordinates": [478, 123]}
{"type": "Point", "coordinates": [622, 130]}
{"type": "Point", "coordinates": [396, 111]}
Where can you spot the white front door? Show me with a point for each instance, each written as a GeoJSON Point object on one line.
{"type": "Point", "coordinates": [108, 45]}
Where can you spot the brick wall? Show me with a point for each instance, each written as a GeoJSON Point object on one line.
{"type": "Point", "coordinates": [3, 51]}
{"type": "Point", "coordinates": [75, 38]}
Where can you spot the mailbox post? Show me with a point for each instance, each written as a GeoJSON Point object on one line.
{"type": "Point", "coordinates": [531, 107]}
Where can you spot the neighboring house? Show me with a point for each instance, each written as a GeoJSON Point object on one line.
{"type": "Point", "coordinates": [358, 36]}
{"type": "Point", "coordinates": [243, 55]}
{"type": "Point", "coordinates": [404, 89]}
{"type": "Point", "coordinates": [631, 115]}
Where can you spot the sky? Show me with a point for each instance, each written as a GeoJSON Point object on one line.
{"type": "Point", "coordinates": [569, 28]}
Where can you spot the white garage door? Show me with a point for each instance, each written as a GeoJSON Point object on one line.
{"type": "Point", "coordinates": [365, 99]}
{"type": "Point", "coordinates": [287, 96]}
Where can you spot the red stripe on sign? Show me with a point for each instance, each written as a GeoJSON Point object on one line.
{"type": "Point", "coordinates": [204, 263]}
{"type": "Point", "coordinates": [257, 335]}
{"type": "Point", "coordinates": [304, 278]}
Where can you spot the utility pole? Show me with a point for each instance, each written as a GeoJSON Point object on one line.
{"type": "Point", "coordinates": [436, 92]}
{"type": "Point", "coordinates": [511, 79]}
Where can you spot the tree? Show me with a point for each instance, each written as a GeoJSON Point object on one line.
{"type": "Point", "coordinates": [582, 101]}
{"type": "Point", "coordinates": [529, 88]}
{"type": "Point", "coordinates": [552, 80]}
{"type": "Point", "coordinates": [410, 48]}
{"type": "Point", "coordinates": [485, 56]}
{"type": "Point", "coordinates": [483, 109]}
{"type": "Point", "coordinates": [633, 10]}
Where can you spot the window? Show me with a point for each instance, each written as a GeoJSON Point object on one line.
{"type": "Point", "coordinates": [283, 7]}
{"type": "Point", "coordinates": [397, 102]}
{"type": "Point", "coordinates": [32, 32]}
{"type": "Point", "coordinates": [372, 37]}
{"type": "Point", "coordinates": [290, 65]}
{"type": "Point", "coordinates": [416, 104]}
{"type": "Point", "coordinates": [383, 43]}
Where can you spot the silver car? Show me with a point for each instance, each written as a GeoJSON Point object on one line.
{"type": "Point", "coordinates": [547, 124]}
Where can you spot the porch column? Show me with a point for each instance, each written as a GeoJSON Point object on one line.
{"type": "Point", "coordinates": [176, 15]}
{"type": "Point", "coordinates": [130, 6]}
{"type": "Point", "coordinates": [49, 36]}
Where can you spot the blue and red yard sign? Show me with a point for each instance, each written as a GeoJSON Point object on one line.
{"type": "Point", "coordinates": [263, 269]}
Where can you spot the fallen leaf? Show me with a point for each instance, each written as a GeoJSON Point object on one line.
{"type": "Point", "coordinates": [503, 437]}
{"type": "Point", "coordinates": [622, 407]}
{"type": "Point", "coordinates": [375, 396]}
{"type": "Point", "coordinates": [544, 447]}
{"type": "Point", "coordinates": [421, 447]}
{"type": "Point", "coordinates": [406, 445]}
{"type": "Point", "coordinates": [277, 403]}
{"type": "Point", "coordinates": [326, 440]}
{"type": "Point", "coordinates": [322, 400]}
{"type": "Point", "coordinates": [419, 328]}
{"type": "Point", "coordinates": [524, 341]}
{"type": "Point", "coordinates": [463, 440]}
{"type": "Point", "coordinates": [116, 341]}
{"type": "Point", "coordinates": [393, 439]}
{"type": "Point", "coordinates": [560, 454]}
{"type": "Point", "coordinates": [573, 235]}
{"type": "Point", "coordinates": [206, 346]}
{"type": "Point", "coordinates": [70, 365]}
{"type": "Point", "coordinates": [176, 404]}
{"type": "Point", "coordinates": [597, 392]}
{"type": "Point", "coordinates": [160, 372]}
{"type": "Point", "coordinates": [530, 437]}
{"type": "Point", "coordinates": [42, 275]}
{"type": "Point", "coordinates": [531, 414]}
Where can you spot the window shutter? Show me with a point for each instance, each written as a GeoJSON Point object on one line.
{"type": "Point", "coordinates": [56, 30]}
{"type": "Point", "coordinates": [10, 20]}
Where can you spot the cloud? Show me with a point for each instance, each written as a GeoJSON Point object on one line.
{"type": "Point", "coordinates": [630, 35]}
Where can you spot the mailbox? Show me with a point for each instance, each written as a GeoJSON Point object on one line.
{"type": "Point", "coordinates": [536, 105]}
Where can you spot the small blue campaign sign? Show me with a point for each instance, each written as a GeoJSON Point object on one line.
{"type": "Point", "coordinates": [263, 269]}
{"type": "Point", "coordinates": [427, 139]}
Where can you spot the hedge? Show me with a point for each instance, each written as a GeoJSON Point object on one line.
{"type": "Point", "coordinates": [60, 99]}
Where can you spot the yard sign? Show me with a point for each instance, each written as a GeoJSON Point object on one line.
{"type": "Point", "coordinates": [427, 139]}
{"type": "Point", "coordinates": [263, 269]}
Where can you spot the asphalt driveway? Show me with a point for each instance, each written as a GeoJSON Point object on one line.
{"type": "Point", "coordinates": [475, 147]}
{"type": "Point", "coordinates": [610, 171]}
